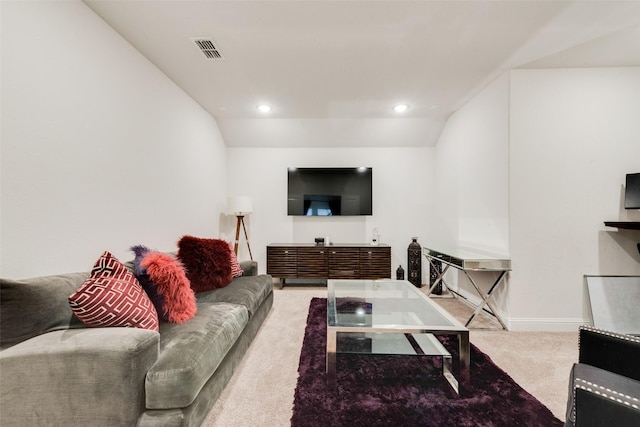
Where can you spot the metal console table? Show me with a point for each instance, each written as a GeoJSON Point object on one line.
{"type": "Point", "coordinates": [467, 261]}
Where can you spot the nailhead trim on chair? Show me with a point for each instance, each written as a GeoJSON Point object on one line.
{"type": "Point", "coordinates": [573, 410]}
{"type": "Point", "coordinates": [612, 334]}
{"type": "Point", "coordinates": [605, 392]}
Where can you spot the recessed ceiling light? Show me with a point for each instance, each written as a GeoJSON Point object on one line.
{"type": "Point", "coordinates": [400, 108]}
{"type": "Point", "coordinates": [264, 108]}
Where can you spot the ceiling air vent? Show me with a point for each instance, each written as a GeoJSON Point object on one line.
{"type": "Point", "coordinates": [208, 48]}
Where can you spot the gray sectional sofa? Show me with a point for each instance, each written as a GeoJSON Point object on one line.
{"type": "Point", "coordinates": [54, 371]}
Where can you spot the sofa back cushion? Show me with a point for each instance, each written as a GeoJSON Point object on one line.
{"type": "Point", "coordinates": [31, 307]}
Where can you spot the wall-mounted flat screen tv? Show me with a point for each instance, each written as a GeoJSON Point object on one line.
{"type": "Point", "coordinates": [330, 191]}
{"type": "Point", "coordinates": [632, 191]}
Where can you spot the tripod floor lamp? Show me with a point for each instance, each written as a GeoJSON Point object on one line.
{"type": "Point", "coordinates": [240, 206]}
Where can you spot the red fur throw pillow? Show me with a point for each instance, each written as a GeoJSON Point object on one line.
{"type": "Point", "coordinates": [166, 272]}
{"type": "Point", "coordinates": [207, 262]}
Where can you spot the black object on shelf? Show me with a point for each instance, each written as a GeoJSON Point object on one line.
{"type": "Point", "coordinates": [400, 273]}
{"type": "Point", "coordinates": [627, 225]}
{"type": "Point", "coordinates": [414, 264]}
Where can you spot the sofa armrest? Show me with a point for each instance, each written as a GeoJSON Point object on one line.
{"type": "Point", "coordinates": [92, 376]}
{"type": "Point", "coordinates": [613, 352]}
{"type": "Point", "coordinates": [249, 268]}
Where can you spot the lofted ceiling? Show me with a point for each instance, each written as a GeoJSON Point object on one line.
{"type": "Point", "coordinates": [333, 70]}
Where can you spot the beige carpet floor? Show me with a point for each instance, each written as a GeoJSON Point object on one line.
{"type": "Point", "coordinates": [261, 390]}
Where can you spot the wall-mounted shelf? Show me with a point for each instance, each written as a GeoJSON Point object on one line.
{"type": "Point", "coordinates": [628, 225]}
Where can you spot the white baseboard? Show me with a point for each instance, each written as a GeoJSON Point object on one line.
{"type": "Point", "coordinates": [531, 323]}
{"type": "Point", "coordinates": [547, 324]}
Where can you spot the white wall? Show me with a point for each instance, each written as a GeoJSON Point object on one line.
{"type": "Point", "coordinates": [533, 165]}
{"type": "Point", "coordinates": [403, 197]}
{"type": "Point", "coordinates": [472, 166]}
{"type": "Point", "coordinates": [100, 150]}
{"type": "Point", "coordinates": [574, 136]}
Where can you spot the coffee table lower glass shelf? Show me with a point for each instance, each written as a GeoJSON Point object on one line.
{"type": "Point", "coordinates": [391, 317]}
{"type": "Point", "coordinates": [397, 344]}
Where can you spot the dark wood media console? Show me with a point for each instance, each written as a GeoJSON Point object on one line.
{"type": "Point", "coordinates": [339, 261]}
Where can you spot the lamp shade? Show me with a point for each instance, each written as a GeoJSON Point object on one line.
{"type": "Point", "coordinates": [239, 205]}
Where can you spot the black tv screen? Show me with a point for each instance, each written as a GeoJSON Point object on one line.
{"type": "Point", "coordinates": [632, 191]}
{"type": "Point", "coordinates": [329, 191]}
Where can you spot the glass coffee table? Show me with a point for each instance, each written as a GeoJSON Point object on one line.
{"type": "Point", "coordinates": [390, 317]}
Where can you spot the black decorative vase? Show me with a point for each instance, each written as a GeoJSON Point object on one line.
{"type": "Point", "coordinates": [400, 273]}
{"type": "Point", "coordinates": [414, 264]}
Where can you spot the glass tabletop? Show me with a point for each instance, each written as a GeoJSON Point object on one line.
{"type": "Point", "coordinates": [467, 259]}
{"type": "Point", "coordinates": [465, 253]}
{"type": "Point", "coordinates": [384, 305]}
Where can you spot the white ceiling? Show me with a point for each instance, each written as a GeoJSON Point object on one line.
{"type": "Point", "coordinates": [332, 70]}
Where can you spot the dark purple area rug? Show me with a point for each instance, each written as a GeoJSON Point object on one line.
{"type": "Point", "coordinates": [404, 390]}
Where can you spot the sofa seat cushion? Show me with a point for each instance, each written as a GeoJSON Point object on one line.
{"type": "Point", "coordinates": [190, 353]}
{"type": "Point", "coordinates": [249, 291]}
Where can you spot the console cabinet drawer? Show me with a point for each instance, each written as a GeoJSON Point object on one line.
{"type": "Point", "coordinates": [313, 262]}
{"type": "Point", "coordinates": [282, 262]}
{"type": "Point", "coordinates": [344, 263]}
{"type": "Point", "coordinates": [375, 263]}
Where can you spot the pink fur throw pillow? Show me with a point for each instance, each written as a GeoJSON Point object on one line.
{"type": "Point", "coordinates": [166, 272]}
{"type": "Point", "coordinates": [207, 262]}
